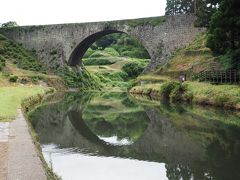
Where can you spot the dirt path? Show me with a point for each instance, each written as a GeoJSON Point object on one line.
{"type": "Point", "coordinates": [23, 160]}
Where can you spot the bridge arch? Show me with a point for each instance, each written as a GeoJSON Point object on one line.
{"type": "Point", "coordinates": [80, 49]}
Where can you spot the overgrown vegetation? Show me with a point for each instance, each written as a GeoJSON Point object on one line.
{"type": "Point", "coordinates": [203, 9]}
{"type": "Point", "coordinates": [195, 57]}
{"type": "Point", "coordinates": [80, 79]}
{"type": "Point", "coordinates": [16, 54]}
{"type": "Point", "coordinates": [117, 44]}
{"type": "Point", "coordinates": [2, 62]}
{"type": "Point", "coordinates": [227, 96]}
{"type": "Point", "coordinates": [116, 59]}
{"type": "Point", "coordinates": [133, 69]}
{"type": "Point", "coordinates": [222, 18]}
{"type": "Point", "coordinates": [223, 35]}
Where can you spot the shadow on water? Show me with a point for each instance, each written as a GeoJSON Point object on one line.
{"type": "Point", "coordinates": [193, 142]}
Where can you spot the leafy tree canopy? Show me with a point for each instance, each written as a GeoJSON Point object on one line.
{"type": "Point", "coordinates": [9, 24]}
{"type": "Point", "coordinates": [224, 30]}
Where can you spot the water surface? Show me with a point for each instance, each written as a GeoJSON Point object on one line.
{"type": "Point", "coordinates": [110, 136]}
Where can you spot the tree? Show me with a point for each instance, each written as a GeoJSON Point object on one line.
{"type": "Point", "coordinates": [224, 34]}
{"type": "Point", "coordinates": [175, 7]}
{"type": "Point", "coordinates": [9, 24]}
{"type": "Point", "coordinates": [204, 9]}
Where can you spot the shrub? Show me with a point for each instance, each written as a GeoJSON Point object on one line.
{"type": "Point", "coordinates": [2, 63]}
{"type": "Point", "coordinates": [136, 53]}
{"type": "Point", "coordinates": [99, 53]}
{"type": "Point", "coordinates": [179, 93]}
{"type": "Point", "coordinates": [83, 80]}
{"type": "Point", "coordinates": [88, 53]}
{"type": "Point", "coordinates": [117, 76]}
{"type": "Point", "coordinates": [111, 51]}
{"type": "Point", "coordinates": [1, 67]}
{"type": "Point", "coordinates": [133, 69]}
{"type": "Point", "coordinates": [13, 78]}
{"type": "Point", "coordinates": [167, 88]}
{"type": "Point", "coordinates": [97, 61]}
{"type": "Point", "coordinates": [176, 91]}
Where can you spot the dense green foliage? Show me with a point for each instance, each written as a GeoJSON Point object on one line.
{"type": "Point", "coordinates": [116, 59]}
{"type": "Point", "coordinates": [175, 91]}
{"type": "Point", "coordinates": [9, 24]}
{"type": "Point", "coordinates": [175, 7]}
{"type": "Point", "coordinates": [13, 78]}
{"type": "Point", "coordinates": [16, 54]}
{"type": "Point", "coordinates": [82, 79]}
{"type": "Point", "coordinates": [203, 9]}
{"type": "Point", "coordinates": [224, 34]}
{"type": "Point", "coordinates": [98, 61]}
{"type": "Point", "coordinates": [133, 69]}
{"type": "Point", "coordinates": [2, 62]}
{"type": "Point", "coordinates": [118, 44]}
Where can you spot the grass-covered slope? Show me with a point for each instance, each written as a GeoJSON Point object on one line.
{"type": "Point", "coordinates": [195, 57]}
{"type": "Point", "coordinates": [113, 70]}
{"type": "Point", "coordinates": [16, 54]}
{"type": "Point", "coordinates": [11, 98]}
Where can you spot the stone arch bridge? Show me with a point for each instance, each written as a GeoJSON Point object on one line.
{"type": "Point", "coordinates": [61, 44]}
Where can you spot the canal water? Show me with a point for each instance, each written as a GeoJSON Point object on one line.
{"type": "Point", "coordinates": [115, 136]}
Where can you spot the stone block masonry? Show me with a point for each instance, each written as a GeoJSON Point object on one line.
{"type": "Point", "coordinates": [61, 44]}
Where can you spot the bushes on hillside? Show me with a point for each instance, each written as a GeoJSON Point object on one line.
{"type": "Point", "coordinates": [111, 51]}
{"type": "Point", "coordinates": [18, 55]}
{"type": "Point", "coordinates": [83, 80]}
{"type": "Point", "coordinates": [13, 78]}
{"type": "Point", "coordinates": [99, 53]}
{"type": "Point", "coordinates": [175, 92]}
{"type": "Point", "coordinates": [98, 61]}
{"type": "Point", "coordinates": [88, 53]}
{"type": "Point", "coordinates": [121, 42]}
{"type": "Point", "coordinates": [2, 63]}
{"type": "Point", "coordinates": [133, 69]}
{"type": "Point", "coordinates": [136, 53]}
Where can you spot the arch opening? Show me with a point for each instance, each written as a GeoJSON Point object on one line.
{"type": "Point", "coordinates": [83, 46]}
{"type": "Point", "coordinates": [113, 56]}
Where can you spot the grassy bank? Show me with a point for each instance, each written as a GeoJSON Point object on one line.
{"type": "Point", "coordinates": [11, 98]}
{"type": "Point", "coordinates": [194, 58]}
{"type": "Point", "coordinates": [227, 96]}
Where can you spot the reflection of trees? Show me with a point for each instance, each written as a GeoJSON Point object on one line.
{"type": "Point", "coordinates": [191, 145]}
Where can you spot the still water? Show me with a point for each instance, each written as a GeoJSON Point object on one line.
{"type": "Point", "coordinates": [114, 136]}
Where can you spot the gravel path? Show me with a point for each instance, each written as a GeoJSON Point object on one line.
{"type": "Point", "coordinates": [23, 160]}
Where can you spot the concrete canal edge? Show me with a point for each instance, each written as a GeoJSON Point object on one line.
{"type": "Point", "coordinates": [25, 158]}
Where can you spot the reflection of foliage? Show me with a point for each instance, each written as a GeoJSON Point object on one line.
{"type": "Point", "coordinates": [209, 146]}
{"type": "Point", "coordinates": [126, 119]}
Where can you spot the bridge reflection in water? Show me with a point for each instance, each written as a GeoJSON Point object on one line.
{"type": "Point", "coordinates": [114, 136]}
